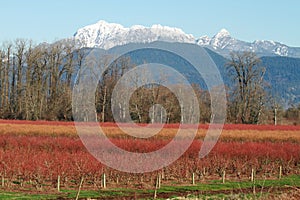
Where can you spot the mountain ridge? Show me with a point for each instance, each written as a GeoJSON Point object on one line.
{"type": "Point", "coordinates": [107, 35]}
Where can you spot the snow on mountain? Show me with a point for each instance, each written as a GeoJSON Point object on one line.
{"type": "Point", "coordinates": [107, 35]}
{"type": "Point", "coordinates": [221, 39]}
{"type": "Point", "coordinates": [271, 46]}
{"type": "Point", "coordinates": [224, 43]}
{"type": "Point", "coordinates": [203, 40]}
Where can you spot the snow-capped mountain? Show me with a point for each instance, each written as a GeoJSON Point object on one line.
{"type": "Point", "coordinates": [107, 35]}
{"type": "Point", "coordinates": [223, 43]}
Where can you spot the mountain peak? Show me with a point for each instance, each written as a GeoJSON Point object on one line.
{"type": "Point", "coordinates": [102, 22]}
{"type": "Point", "coordinates": [107, 35]}
{"type": "Point", "coordinates": [222, 33]}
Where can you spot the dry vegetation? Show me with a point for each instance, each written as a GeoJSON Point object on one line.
{"type": "Point", "coordinates": [229, 133]}
{"type": "Point", "coordinates": [35, 154]}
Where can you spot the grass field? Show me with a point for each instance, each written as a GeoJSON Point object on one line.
{"type": "Point", "coordinates": [213, 189]}
{"type": "Point", "coordinates": [36, 157]}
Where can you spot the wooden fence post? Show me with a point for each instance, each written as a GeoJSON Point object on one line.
{"type": "Point", "coordinates": [253, 180]}
{"type": "Point", "coordinates": [158, 181]}
{"type": "Point", "coordinates": [280, 172]}
{"type": "Point", "coordinates": [193, 178]}
{"type": "Point", "coordinates": [79, 188]}
{"type": "Point", "coordinates": [157, 186]}
{"type": "Point", "coordinates": [2, 181]}
{"type": "Point", "coordinates": [58, 183]}
{"type": "Point", "coordinates": [104, 180]}
{"type": "Point", "coordinates": [163, 174]}
{"type": "Point", "coordinates": [252, 175]}
{"type": "Point", "coordinates": [223, 176]}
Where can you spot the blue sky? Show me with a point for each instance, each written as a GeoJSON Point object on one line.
{"type": "Point", "coordinates": [246, 20]}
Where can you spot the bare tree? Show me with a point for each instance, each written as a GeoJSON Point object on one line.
{"type": "Point", "coordinates": [248, 96]}
{"type": "Point", "coordinates": [6, 85]}
{"type": "Point", "coordinates": [2, 78]}
{"type": "Point", "coordinates": [20, 46]}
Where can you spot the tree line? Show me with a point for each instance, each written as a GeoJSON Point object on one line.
{"type": "Point", "coordinates": [36, 83]}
